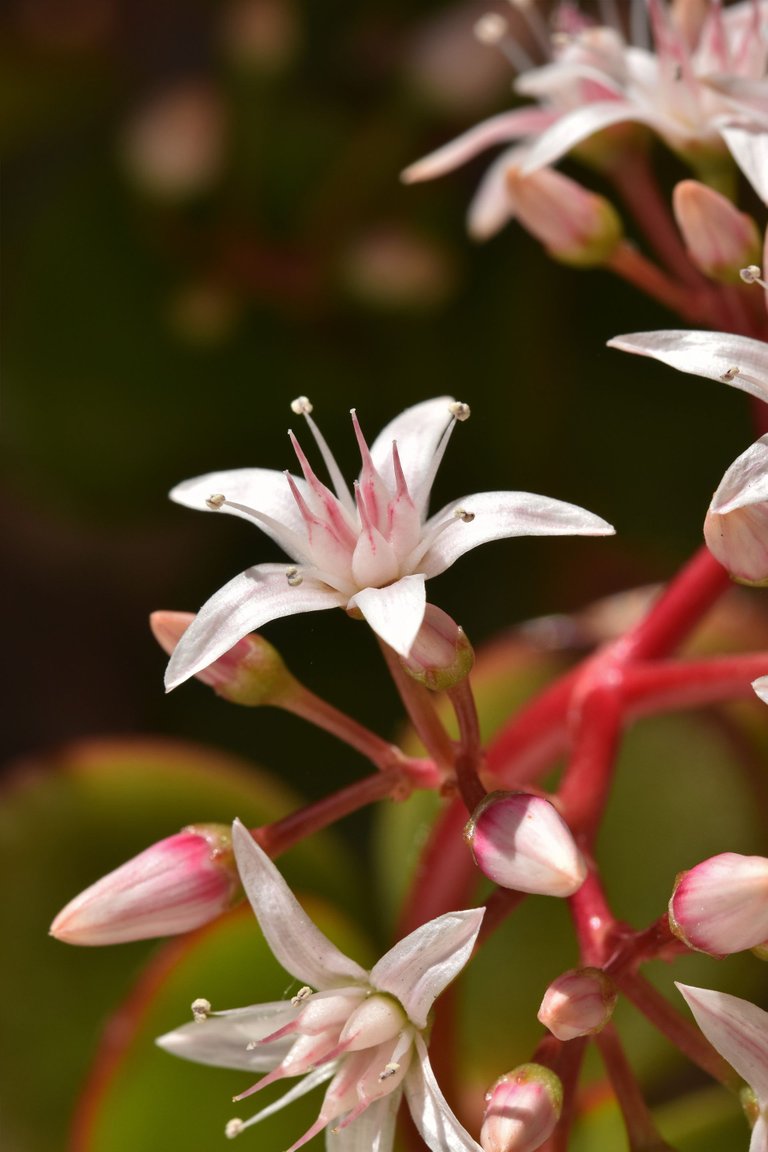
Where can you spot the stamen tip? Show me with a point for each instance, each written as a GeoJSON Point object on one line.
{"type": "Point", "coordinates": [301, 406]}
{"type": "Point", "coordinates": [730, 374]}
{"type": "Point", "coordinates": [752, 274]}
{"type": "Point", "coordinates": [459, 410]}
{"type": "Point", "coordinates": [216, 500]}
{"type": "Point", "coordinates": [201, 1009]}
{"type": "Point", "coordinates": [233, 1128]}
{"type": "Point", "coordinates": [490, 28]}
{"type": "Point", "coordinates": [293, 576]}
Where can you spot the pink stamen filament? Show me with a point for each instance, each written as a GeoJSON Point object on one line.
{"type": "Point", "coordinates": [333, 510]}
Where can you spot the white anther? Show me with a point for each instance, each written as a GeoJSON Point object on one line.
{"type": "Point", "coordinates": [201, 1010]}
{"type": "Point", "coordinates": [752, 275]}
{"type": "Point", "coordinates": [459, 411]}
{"type": "Point", "coordinates": [301, 995]}
{"type": "Point", "coordinates": [293, 576]}
{"type": "Point", "coordinates": [490, 28]}
{"type": "Point", "coordinates": [216, 500]}
{"type": "Point", "coordinates": [301, 406]}
{"type": "Point", "coordinates": [233, 1128]}
{"type": "Point", "coordinates": [389, 1070]}
{"type": "Point", "coordinates": [463, 515]}
{"type": "Point", "coordinates": [730, 374]}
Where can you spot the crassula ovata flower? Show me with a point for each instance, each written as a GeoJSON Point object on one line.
{"type": "Point", "coordinates": [522, 842]}
{"type": "Point", "coordinates": [721, 905]}
{"type": "Point", "coordinates": [521, 1110]}
{"type": "Point", "coordinates": [739, 1032]}
{"type": "Point", "coordinates": [364, 1033]}
{"type": "Point", "coordinates": [176, 885]}
{"type": "Point", "coordinates": [579, 1002]}
{"type": "Point", "coordinates": [369, 550]}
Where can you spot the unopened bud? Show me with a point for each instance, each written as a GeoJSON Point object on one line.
{"type": "Point", "coordinates": [578, 1003]}
{"type": "Point", "coordinates": [522, 842]}
{"type": "Point", "coordinates": [721, 905]}
{"type": "Point", "coordinates": [178, 884]}
{"type": "Point", "coordinates": [576, 226]}
{"type": "Point", "coordinates": [720, 239]}
{"type": "Point", "coordinates": [736, 525]}
{"type": "Point", "coordinates": [250, 673]}
{"type": "Point", "coordinates": [521, 1110]}
{"type": "Point", "coordinates": [441, 655]}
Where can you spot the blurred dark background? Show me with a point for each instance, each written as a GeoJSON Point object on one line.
{"type": "Point", "coordinates": [203, 219]}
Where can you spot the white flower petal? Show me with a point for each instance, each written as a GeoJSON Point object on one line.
{"type": "Point", "coordinates": [711, 354]}
{"type": "Point", "coordinates": [497, 130]}
{"type": "Point", "coordinates": [222, 1039]}
{"type": "Point", "coordinates": [263, 489]}
{"type": "Point", "coordinates": [253, 598]}
{"type": "Point", "coordinates": [396, 612]}
{"type": "Point", "coordinates": [759, 1141]}
{"type": "Point", "coordinates": [421, 965]}
{"type": "Point", "coordinates": [746, 481]}
{"type": "Point", "coordinates": [374, 1131]}
{"type": "Point", "coordinates": [577, 126]}
{"type": "Point", "coordinates": [749, 148]}
{"type": "Point", "coordinates": [738, 1030]}
{"type": "Point", "coordinates": [761, 688]}
{"type": "Point", "coordinates": [498, 515]}
{"type": "Point", "coordinates": [438, 1126]}
{"type": "Point", "coordinates": [418, 431]}
{"type": "Point", "coordinates": [492, 205]}
{"type": "Point", "coordinates": [297, 943]}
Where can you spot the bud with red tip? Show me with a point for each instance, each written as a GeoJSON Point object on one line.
{"type": "Point", "coordinates": [575, 226]}
{"type": "Point", "coordinates": [721, 905]}
{"type": "Point", "coordinates": [441, 655]}
{"type": "Point", "coordinates": [521, 1110]}
{"type": "Point", "coordinates": [578, 1003]}
{"type": "Point", "coordinates": [178, 884]}
{"type": "Point", "coordinates": [251, 673]}
{"type": "Point", "coordinates": [720, 239]}
{"type": "Point", "coordinates": [522, 842]}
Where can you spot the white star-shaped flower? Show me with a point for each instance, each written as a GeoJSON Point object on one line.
{"type": "Point", "coordinates": [363, 1033]}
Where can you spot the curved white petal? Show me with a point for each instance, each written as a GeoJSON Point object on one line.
{"type": "Point", "coordinates": [373, 1131]}
{"type": "Point", "coordinates": [497, 515]}
{"type": "Point", "coordinates": [263, 489]}
{"type": "Point", "coordinates": [298, 944]}
{"type": "Point", "coordinates": [253, 598]}
{"type": "Point", "coordinates": [222, 1039]}
{"type": "Point", "coordinates": [438, 1126]}
{"type": "Point", "coordinates": [761, 688]}
{"type": "Point", "coordinates": [714, 355]}
{"type": "Point", "coordinates": [749, 148]}
{"type": "Point", "coordinates": [497, 130]}
{"type": "Point", "coordinates": [396, 612]}
{"type": "Point", "coordinates": [759, 1141]}
{"type": "Point", "coordinates": [737, 1029]}
{"type": "Point", "coordinates": [421, 965]}
{"type": "Point", "coordinates": [418, 431]}
{"type": "Point", "coordinates": [579, 125]}
{"type": "Point", "coordinates": [746, 481]}
{"type": "Point", "coordinates": [493, 205]}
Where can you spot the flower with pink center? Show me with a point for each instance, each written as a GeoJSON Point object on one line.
{"type": "Point", "coordinates": [706, 71]}
{"type": "Point", "coordinates": [739, 1032]}
{"type": "Point", "coordinates": [369, 550]}
{"type": "Point", "coordinates": [363, 1033]}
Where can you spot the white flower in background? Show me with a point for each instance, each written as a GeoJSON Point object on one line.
{"type": "Point", "coordinates": [739, 1032]}
{"type": "Point", "coordinates": [706, 71]}
{"type": "Point", "coordinates": [369, 550]}
{"type": "Point", "coordinates": [736, 525]}
{"type": "Point", "coordinates": [365, 1032]}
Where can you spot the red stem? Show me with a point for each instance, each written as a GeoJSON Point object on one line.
{"type": "Point", "coordinates": [642, 1134]}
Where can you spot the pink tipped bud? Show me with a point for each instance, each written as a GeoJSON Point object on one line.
{"type": "Point", "coordinates": [721, 905]}
{"type": "Point", "coordinates": [521, 1110]}
{"type": "Point", "coordinates": [578, 1003]}
{"type": "Point", "coordinates": [522, 842]}
{"type": "Point", "coordinates": [178, 884]}
{"type": "Point", "coordinates": [574, 225]}
{"type": "Point", "coordinates": [441, 655]}
{"type": "Point", "coordinates": [736, 525]}
{"type": "Point", "coordinates": [250, 673]}
{"type": "Point", "coordinates": [720, 239]}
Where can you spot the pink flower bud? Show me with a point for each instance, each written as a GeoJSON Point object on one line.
{"type": "Point", "coordinates": [522, 1110]}
{"type": "Point", "coordinates": [178, 884]}
{"type": "Point", "coordinates": [736, 525]}
{"type": "Point", "coordinates": [250, 673]}
{"type": "Point", "coordinates": [721, 905]}
{"type": "Point", "coordinates": [578, 1003]}
{"type": "Point", "coordinates": [441, 655]}
{"type": "Point", "coordinates": [522, 842]}
{"type": "Point", "coordinates": [576, 226]}
{"type": "Point", "coordinates": [720, 239]}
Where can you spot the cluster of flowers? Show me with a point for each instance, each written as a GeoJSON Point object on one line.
{"type": "Point", "coordinates": [370, 549]}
